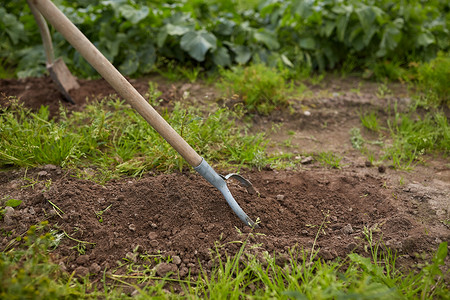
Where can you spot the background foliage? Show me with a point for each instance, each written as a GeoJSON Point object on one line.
{"type": "Point", "coordinates": [139, 36]}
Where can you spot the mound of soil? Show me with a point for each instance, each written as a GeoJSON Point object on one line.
{"type": "Point", "coordinates": [182, 216]}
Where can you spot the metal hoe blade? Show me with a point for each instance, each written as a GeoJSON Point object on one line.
{"type": "Point", "coordinates": [218, 181]}
{"type": "Point", "coordinates": [59, 73]}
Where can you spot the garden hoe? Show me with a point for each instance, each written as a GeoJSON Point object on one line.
{"type": "Point", "coordinates": [58, 70]}
{"type": "Point", "coordinates": [74, 36]}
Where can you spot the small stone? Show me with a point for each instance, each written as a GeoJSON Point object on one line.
{"type": "Point", "coordinates": [201, 235]}
{"type": "Point", "coordinates": [334, 218]}
{"type": "Point", "coordinates": [94, 268]}
{"type": "Point", "coordinates": [154, 243]}
{"type": "Point", "coordinates": [31, 211]}
{"type": "Point", "coordinates": [325, 254]}
{"type": "Point", "coordinates": [120, 198]}
{"type": "Point", "coordinates": [82, 259]}
{"type": "Point", "coordinates": [176, 260]}
{"type": "Point", "coordinates": [132, 227]}
{"type": "Point", "coordinates": [307, 113]}
{"type": "Point", "coordinates": [351, 247]}
{"type": "Point", "coordinates": [8, 220]}
{"type": "Point", "coordinates": [163, 269]}
{"type": "Point", "coordinates": [381, 169]}
{"type": "Point", "coordinates": [152, 235]}
{"type": "Point", "coordinates": [42, 173]}
{"type": "Point", "coordinates": [348, 229]}
{"type": "Point", "coordinates": [280, 197]}
{"type": "Point", "coordinates": [307, 160]}
{"type": "Point", "coordinates": [50, 167]}
{"type": "Point", "coordinates": [81, 271]}
{"type": "Point", "coordinates": [154, 226]}
{"type": "Point", "coordinates": [368, 164]}
{"type": "Point", "coordinates": [183, 272]}
{"type": "Point", "coordinates": [9, 212]}
{"type": "Point", "coordinates": [131, 256]}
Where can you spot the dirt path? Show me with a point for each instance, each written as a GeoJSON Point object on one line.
{"type": "Point", "coordinates": [182, 217]}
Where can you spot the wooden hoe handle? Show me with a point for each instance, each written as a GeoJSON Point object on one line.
{"type": "Point", "coordinates": [45, 33]}
{"type": "Point", "coordinates": [77, 39]}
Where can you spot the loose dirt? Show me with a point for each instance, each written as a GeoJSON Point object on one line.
{"type": "Point", "coordinates": [182, 219]}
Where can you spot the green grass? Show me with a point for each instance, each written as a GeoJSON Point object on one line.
{"type": "Point", "coordinates": [370, 121]}
{"type": "Point", "coordinates": [27, 271]}
{"type": "Point", "coordinates": [261, 88]}
{"type": "Point", "coordinates": [433, 80]}
{"type": "Point", "coordinates": [406, 137]}
{"type": "Point", "coordinates": [329, 159]}
{"type": "Point", "coordinates": [413, 136]}
{"type": "Point", "coordinates": [112, 139]}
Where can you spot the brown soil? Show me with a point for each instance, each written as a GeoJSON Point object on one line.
{"type": "Point", "coordinates": [180, 215]}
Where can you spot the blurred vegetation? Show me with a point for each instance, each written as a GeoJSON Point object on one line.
{"type": "Point", "coordinates": [378, 37]}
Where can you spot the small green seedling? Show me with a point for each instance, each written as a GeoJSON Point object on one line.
{"type": "Point", "coordinates": [11, 203]}
{"type": "Point", "coordinates": [356, 138]}
{"type": "Point", "coordinates": [329, 159]}
{"type": "Point", "coordinates": [100, 213]}
{"type": "Point", "coordinates": [370, 121]}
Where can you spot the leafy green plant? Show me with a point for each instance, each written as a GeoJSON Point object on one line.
{"type": "Point", "coordinates": [300, 35]}
{"type": "Point", "coordinates": [261, 88]}
{"type": "Point", "coordinates": [356, 138]}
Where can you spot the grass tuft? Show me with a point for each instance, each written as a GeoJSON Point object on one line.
{"type": "Point", "coordinates": [413, 136]}
{"type": "Point", "coordinates": [109, 138]}
{"type": "Point", "coordinates": [433, 80]}
{"type": "Point", "coordinates": [329, 159]}
{"type": "Point", "coordinates": [261, 88]}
